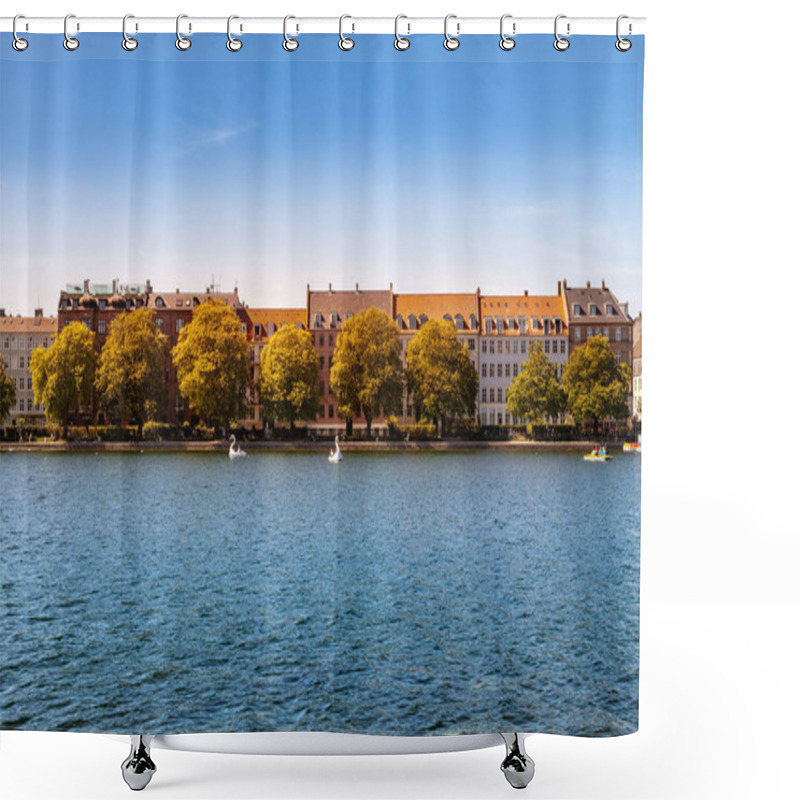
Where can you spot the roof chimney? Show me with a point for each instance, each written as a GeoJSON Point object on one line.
{"type": "Point", "coordinates": [37, 312]}
{"type": "Point", "coordinates": [356, 288]}
{"type": "Point", "coordinates": [178, 290]}
{"type": "Point", "coordinates": [148, 287]}
{"type": "Point", "coordinates": [330, 288]}
{"type": "Point", "coordinates": [588, 284]}
{"type": "Point", "coordinates": [2, 312]}
{"type": "Point", "coordinates": [565, 285]}
{"type": "Point", "coordinates": [86, 286]}
{"type": "Point", "coordinates": [603, 284]}
{"type": "Point", "coordinates": [526, 293]}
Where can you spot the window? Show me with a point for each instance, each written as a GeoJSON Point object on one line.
{"type": "Point", "coordinates": [330, 411]}
{"type": "Point", "coordinates": [101, 304]}
{"type": "Point", "coordinates": [499, 417]}
{"type": "Point", "coordinates": [101, 326]}
{"type": "Point", "coordinates": [5, 343]}
{"type": "Point", "coordinates": [609, 309]}
{"type": "Point", "coordinates": [483, 370]}
{"type": "Point", "coordinates": [576, 309]}
{"type": "Point", "coordinates": [619, 334]}
{"type": "Point", "coordinates": [546, 327]}
{"type": "Point", "coordinates": [321, 412]}
{"type": "Point", "coordinates": [471, 344]}
{"type": "Point", "coordinates": [399, 321]}
{"type": "Point", "coordinates": [314, 339]}
{"type": "Point", "coordinates": [87, 322]}
{"type": "Point", "coordinates": [563, 345]}
{"type": "Point", "coordinates": [483, 395]}
{"type": "Point", "coordinates": [330, 340]}
{"type": "Point", "coordinates": [491, 346]}
{"type": "Point", "coordinates": [491, 417]}
{"type": "Point", "coordinates": [508, 370]}
{"type": "Point", "coordinates": [22, 362]}
{"type": "Point", "coordinates": [547, 346]}
{"type": "Point", "coordinates": [459, 322]}
{"type": "Point", "coordinates": [500, 395]}
{"type": "Point", "coordinates": [160, 302]}
{"type": "Point", "coordinates": [558, 326]}
{"type": "Point", "coordinates": [30, 385]}
{"type": "Point", "coordinates": [516, 346]}
{"type": "Point", "coordinates": [317, 320]}
{"type": "Point", "coordinates": [160, 324]}
{"type": "Point", "coordinates": [491, 370]}
{"type": "Point", "coordinates": [322, 362]}
{"type": "Point", "coordinates": [487, 325]}
{"type": "Point", "coordinates": [523, 346]}
{"type": "Point", "coordinates": [483, 345]}
{"type": "Point", "coordinates": [577, 334]}
{"type": "Point", "coordinates": [180, 322]}
{"type": "Point", "coordinates": [30, 404]}
{"type": "Point", "coordinates": [330, 361]}
{"type": "Point", "coordinates": [605, 333]}
{"type": "Point", "coordinates": [522, 324]}
{"type": "Point", "coordinates": [516, 370]}
{"type": "Point", "coordinates": [473, 322]}
{"type": "Point", "coordinates": [412, 322]}
{"type": "Point", "coordinates": [491, 394]}
{"type": "Point", "coordinates": [322, 387]}
{"type": "Point", "coordinates": [508, 347]}
{"type": "Point", "coordinates": [619, 358]}
{"type": "Point", "coordinates": [21, 404]}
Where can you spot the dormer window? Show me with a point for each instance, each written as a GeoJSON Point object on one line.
{"type": "Point", "coordinates": [65, 304]}
{"type": "Point", "coordinates": [139, 302]}
{"type": "Point", "coordinates": [609, 309]}
{"type": "Point", "coordinates": [501, 325]}
{"type": "Point", "coordinates": [102, 303]}
{"type": "Point", "coordinates": [576, 309]}
{"type": "Point", "coordinates": [459, 322]}
{"type": "Point", "coordinates": [488, 325]}
{"type": "Point", "coordinates": [473, 322]}
{"type": "Point", "coordinates": [160, 302]}
{"type": "Point", "coordinates": [423, 318]}
{"type": "Point", "coordinates": [334, 319]}
{"type": "Point", "coordinates": [522, 324]}
{"type": "Point", "coordinates": [559, 326]}
{"type": "Point", "coordinates": [179, 302]}
{"type": "Point", "coordinates": [75, 302]}
{"type": "Point", "coordinates": [348, 314]}
{"type": "Point", "coordinates": [399, 321]}
{"type": "Point", "coordinates": [412, 322]}
{"type": "Point", "coordinates": [196, 301]}
{"type": "Point", "coordinates": [270, 328]}
{"type": "Point", "coordinates": [317, 319]}
{"type": "Point", "coordinates": [594, 310]}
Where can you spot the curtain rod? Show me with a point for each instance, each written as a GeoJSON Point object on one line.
{"type": "Point", "coordinates": [407, 25]}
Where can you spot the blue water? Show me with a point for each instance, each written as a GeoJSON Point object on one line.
{"type": "Point", "coordinates": [392, 593]}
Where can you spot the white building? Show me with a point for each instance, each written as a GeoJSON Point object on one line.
{"type": "Point", "coordinates": [512, 324]}
{"type": "Point", "coordinates": [19, 337]}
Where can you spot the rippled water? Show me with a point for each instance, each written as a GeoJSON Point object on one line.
{"type": "Point", "coordinates": [390, 594]}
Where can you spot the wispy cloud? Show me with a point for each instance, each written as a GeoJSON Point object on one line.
{"type": "Point", "coordinates": [213, 136]}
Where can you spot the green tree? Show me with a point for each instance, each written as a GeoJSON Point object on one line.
{"type": "Point", "coordinates": [536, 393]}
{"type": "Point", "coordinates": [130, 380]}
{"type": "Point", "coordinates": [63, 374]}
{"type": "Point", "coordinates": [8, 392]}
{"type": "Point", "coordinates": [289, 385]}
{"type": "Point", "coordinates": [367, 372]}
{"type": "Point", "coordinates": [213, 363]}
{"type": "Point", "coordinates": [440, 374]}
{"type": "Point", "coordinates": [596, 385]}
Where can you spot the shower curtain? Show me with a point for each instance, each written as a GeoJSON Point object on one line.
{"type": "Point", "coordinates": [321, 384]}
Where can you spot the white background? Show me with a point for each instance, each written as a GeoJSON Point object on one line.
{"type": "Point", "coordinates": [719, 677]}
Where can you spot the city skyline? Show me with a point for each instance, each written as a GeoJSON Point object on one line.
{"type": "Point", "coordinates": [276, 174]}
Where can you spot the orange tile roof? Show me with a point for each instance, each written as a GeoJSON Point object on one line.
{"type": "Point", "coordinates": [523, 305]}
{"type": "Point", "coordinates": [435, 306]}
{"type": "Point", "coordinates": [277, 316]}
{"type": "Point", "coordinates": [29, 325]}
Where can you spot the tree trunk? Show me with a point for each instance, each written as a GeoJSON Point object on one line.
{"type": "Point", "coordinates": [349, 426]}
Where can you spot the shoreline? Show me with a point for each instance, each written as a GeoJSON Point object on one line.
{"type": "Point", "coordinates": [298, 446]}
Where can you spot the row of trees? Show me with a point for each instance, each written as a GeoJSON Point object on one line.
{"type": "Point", "coordinates": [127, 377]}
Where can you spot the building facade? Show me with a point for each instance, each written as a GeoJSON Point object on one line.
{"type": "Point", "coordinates": [511, 326]}
{"type": "Point", "coordinates": [97, 305]}
{"type": "Point", "coordinates": [19, 337]}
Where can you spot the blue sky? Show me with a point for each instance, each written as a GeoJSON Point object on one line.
{"type": "Point", "coordinates": [437, 170]}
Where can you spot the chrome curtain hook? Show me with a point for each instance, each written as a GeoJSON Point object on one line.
{"type": "Point", "coordinates": [450, 42]}
{"type": "Point", "coordinates": [70, 42]}
{"type": "Point", "coordinates": [506, 42]}
{"type": "Point", "coordinates": [560, 43]}
{"type": "Point", "coordinates": [289, 44]}
{"type": "Point", "coordinates": [18, 43]}
{"type": "Point", "coordinates": [181, 42]}
{"type": "Point", "coordinates": [128, 42]}
{"type": "Point", "coordinates": [623, 45]}
{"type": "Point", "coordinates": [345, 43]}
{"type": "Point", "coordinates": [401, 42]}
{"type": "Point", "coordinates": [233, 44]}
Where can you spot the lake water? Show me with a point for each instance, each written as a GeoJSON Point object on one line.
{"type": "Point", "coordinates": [395, 593]}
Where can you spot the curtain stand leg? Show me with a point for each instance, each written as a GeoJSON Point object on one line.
{"type": "Point", "coordinates": [138, 768]}
{"type": "Point", "coordinates": [517, 766]}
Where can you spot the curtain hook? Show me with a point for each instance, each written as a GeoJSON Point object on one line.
{"type": "Point", "coordinates": [450, 42]}
{"type": "Point", "coordinates": [560, 43]}
{"type": "Point", "coordinates": [623, 45]}
{"type": "Point", "coordinates": [506, 42]}
{"type": "Point", "coordinates": [289, 44]}
{"type": "Point", "coordinates": [181, 42]}
{"type": "Point", "coordinates": [18, 43]}
{"type": "Point", "coordinates": [345, 43]}
{"type": "Point", "coordinates": [401, 42]}
{"type": "Point", "coordinates": [233, 44]}
{"type": "Point", "coordinates": [128, 42]}
{"type": "Point", "coordinates": [70, 42]}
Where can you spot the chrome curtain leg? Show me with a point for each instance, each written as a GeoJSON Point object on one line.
{"type": "Point", "coordinates": [517, 766]}
{"type": "Point", "coordinates": [138, 768]}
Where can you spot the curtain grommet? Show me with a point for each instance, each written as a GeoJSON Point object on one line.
{"type": "Point", "coordinates": [451, 42]}
{"type": "Point", "coordinates": [561, 43]}
{"type": "Point", "coordinates": [128, 42]}
{"type": "Point", "coordinates": [233, 44]}
{"type": "Point", "coordinates": [18, 43]}
{"type": "Point", "coordinates": [290, 44]}
{"type": "Point", "coordinates": [507, 42]}
{"type": "Point", "coordinates": [181, 42]}
{"type": "Point", "coordinates": [401, 43]}
{"type": "Point", "coordinates": [345, 42]}
{"type": "Point", "coordinates": [622, 44]}
{"type": "Point", "coordinates": [70, 42]}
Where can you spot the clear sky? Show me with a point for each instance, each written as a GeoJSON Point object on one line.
{"type": "Point", "coordinates": [436, 170]}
